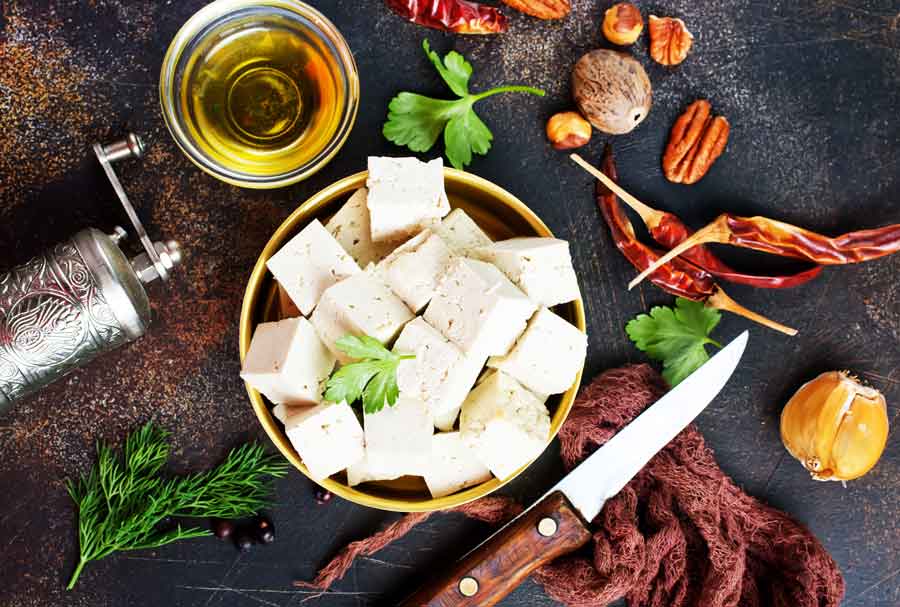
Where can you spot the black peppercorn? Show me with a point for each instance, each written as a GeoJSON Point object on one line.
{"type": "Point", "coordinates": [222, 528]}
{"type": "Point", "coordinates": [323, 496]}
{"type": "Point", "coordinates": [264, 530]}
{"type": "Point", "coordinates": [243, 541]}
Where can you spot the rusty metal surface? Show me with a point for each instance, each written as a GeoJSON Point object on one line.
{"type": "Point", "coordinates": [810, 89]}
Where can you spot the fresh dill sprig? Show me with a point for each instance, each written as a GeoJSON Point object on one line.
{"type": "Point", "coordinates": [123, 501]}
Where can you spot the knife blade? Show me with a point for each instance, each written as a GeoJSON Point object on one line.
{"type": "Point", "coordinates": [558, 523]}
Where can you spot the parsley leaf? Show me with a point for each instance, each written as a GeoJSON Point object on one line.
{"type": "Point", "coordinates": [416, 121]}
{"type": "Point", "coordinates": [676, 336]}
{"type": "Point", "coordinates": [373, 378]}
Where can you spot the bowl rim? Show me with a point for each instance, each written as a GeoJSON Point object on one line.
{"type": "Point", "coordinates": [253, 295]}
{"type": "Point", "coordinates": [221, 9]}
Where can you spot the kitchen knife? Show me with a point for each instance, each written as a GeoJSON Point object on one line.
{"type": "Point", "coordinates": [558, 523]}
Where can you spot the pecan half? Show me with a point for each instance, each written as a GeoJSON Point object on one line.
{"type": "Point", "coordinates": [696, 141]}
{"type": "Point", "coordinates": [542, 9]}
{"type": "Point", "coordinates": [670, 40]}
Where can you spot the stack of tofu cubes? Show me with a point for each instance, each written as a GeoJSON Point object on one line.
{"type": "Point", "coordinates": [396, 264]}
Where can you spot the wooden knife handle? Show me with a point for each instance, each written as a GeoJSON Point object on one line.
{"type": "Point", "coordinates": [483, 577]}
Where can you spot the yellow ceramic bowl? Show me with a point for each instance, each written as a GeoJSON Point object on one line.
{"type": "Point", "coordinates": [502, 216]}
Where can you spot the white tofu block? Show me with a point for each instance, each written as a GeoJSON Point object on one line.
{"type": "Point", "coordinates": [398, 438]}
{"type": "Point", "coordinates": [309, 263]}
{"type": "Point", "coordinates": [359, 305]}
{"type": "Point", "coordinates": [405, 196]}
{"type": "Point", "coordinates": [453, 466]}
{"type": "Point", "coordinates": [541, 267]}
{"type": "Point", "coordinates": [398, 443]}
{"type": "Point", "coordinates": [288, 362]}
{"type": "Point", "coordinates": [440, 375]}
{"type": "Point", "coordinates": [350, 227]}
{"type": "Point", "coordinates": [462, 378]}
{"type": "Point", "coordinates": [478, 308]}
{"type": "Point", "coordinates": [506, 425]}
{"type": "Point", "coordinates": [286, 306]}
{"type": "Point", "coordinates": [547, 356]}
{"type": "Point", "coordinates": [327, 437]}
{"type": "Point", "coordinates": [461, 234]}
{"type": "Point", "coordinates": [415, 268]}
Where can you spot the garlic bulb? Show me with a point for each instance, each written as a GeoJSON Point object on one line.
{"type": "Point", "coordinates": [836, 427]}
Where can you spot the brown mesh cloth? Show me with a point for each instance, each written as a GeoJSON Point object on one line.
{"type": "Point", "coordinates": [680, 534]}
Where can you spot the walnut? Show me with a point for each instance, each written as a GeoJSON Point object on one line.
{"type": "Point", "coordinates": [696, 141]}
{"type": "Point", "coordinates": [612, 90]}
{"type": "Point", "coordinates": [567, 130]}
{"type": "Point", "coordinates": [623, 24]}
{"type": "Point", "coordinates": [670, 40]}
{"type": "Point", "coordinates": [542, 9]}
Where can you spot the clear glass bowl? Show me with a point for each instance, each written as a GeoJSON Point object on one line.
{"type": "Point", "coordinates": [182, 71]}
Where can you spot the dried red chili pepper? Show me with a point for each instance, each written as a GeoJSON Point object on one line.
{"type": "Point", "coordinates": [678, 276]}
{"type": "Point", "coordinates": [669, 231]}
{"type": "Point", "coordinates": [786, 240]}
{"type": "Point", "coordinates": [460, 16]}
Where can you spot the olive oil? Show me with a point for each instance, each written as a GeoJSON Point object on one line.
{"type": "Point", "coordinates": [262, 94]}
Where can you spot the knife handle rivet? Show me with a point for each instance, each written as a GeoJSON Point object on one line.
{"type": "Point", "coordinates": [468, 586]}
{"type": "Point", "coordinates": [547, 526]}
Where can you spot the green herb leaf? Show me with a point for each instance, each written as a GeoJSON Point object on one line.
{"type": "Point", "coordinates": [455, 70]}
{"type": "Point", "coordinates": [373, 378]}
{"type": "Point", "coordinates": [676, 336]}
{"type": "Point", "coordinates": [363, 347]}
{"type": "Point", "coordinates": [123, 501]}
{"type": "Point", "coordinates": [416, 121]}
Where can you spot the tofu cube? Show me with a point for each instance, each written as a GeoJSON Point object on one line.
{"type": "Point", "coordinates": [327, 437]}
{"type": "Point", "coordinates": [288, 362]}
{"type": "Point", "coordinates": [478, 308]}
{"type": "Point", "coordinates": [398, 438]}
{"type": "Point", "coordinates": [506, 425]}
{"type": "Point", "coordinates": [309, 263]}
{"type": "Point", "coordinates": [547, 357]}
{"type": "Point", "coordinates": [415, 268]}
{"type": "Point", "coordinates": [281, 411]}
{"type": "Point", "coordinates": [440, 375]}
{"type": "Point", "coordinates": [351, 229]}
{"type": "Point", "coordinates": [405, 196]}
{"type": "Point", "coordinates": [541, 267]}
{"type": "Point", "coordinates": [359, 305]}
{"type": "Point", "coordinates": [453, 466]}
{"type": "Point", "coordinates": [461, 234]}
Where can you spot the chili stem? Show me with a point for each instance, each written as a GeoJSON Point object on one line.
{"type": "Point", "coordinates": [721, 301]}
{"type": "Point", "coordinates": [650, 216]}
{"type": "Point", "coordinates": [717, 231]}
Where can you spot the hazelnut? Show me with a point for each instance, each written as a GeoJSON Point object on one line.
{"type": "Point", "coordinates": [567, 130]}
{"type": "Point", "coordinates": [670, 40]}
{"type": "Point", "coordinates": [623, 24]}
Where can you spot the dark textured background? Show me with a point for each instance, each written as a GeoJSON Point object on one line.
{"type": "Point", "coordinates": [812, 93]}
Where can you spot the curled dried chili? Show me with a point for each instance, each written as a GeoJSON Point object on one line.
{"type": "Point", "coordinates": [460, 16]}
{"type": "Point", "coordinates": [669, 231]}
{"type": "Point", "coordinates": [786, 240]}
{"type": "Point", "coordinates": [678, 276]}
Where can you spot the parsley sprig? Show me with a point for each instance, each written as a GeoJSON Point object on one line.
{"type": "Point", "coordinates": [373, 378]}
{"type": "Point", "coordinates": [124, 501]}
{"type": "Point", "coordinates": [416, 121]}
{"type": "Point", "coordinates": [676, 336]}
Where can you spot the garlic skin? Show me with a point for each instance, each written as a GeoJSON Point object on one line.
{"type": "Point", "coordinates": [836, 427]}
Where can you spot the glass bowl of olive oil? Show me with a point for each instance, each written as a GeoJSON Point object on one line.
{"type": "Point", "coordinates": [259, 93]}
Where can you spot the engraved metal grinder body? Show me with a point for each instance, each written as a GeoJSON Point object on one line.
{"type": "Point", "coordinates": [78, 299]}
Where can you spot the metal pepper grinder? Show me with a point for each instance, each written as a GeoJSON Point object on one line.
{"type": "Point", "coordinates": [80, 298]}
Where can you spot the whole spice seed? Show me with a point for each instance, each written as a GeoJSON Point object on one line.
{"type": "Point", "coordinates": [322, 496]}
{"type": "Point", "coordinates": [679, 277]}
{"type": "Point", "coordinates": [264, 529]}
{"type": "Point", "coordinates": [222, 528]}
{"type": "Point", "coordinates": [460, 16]}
